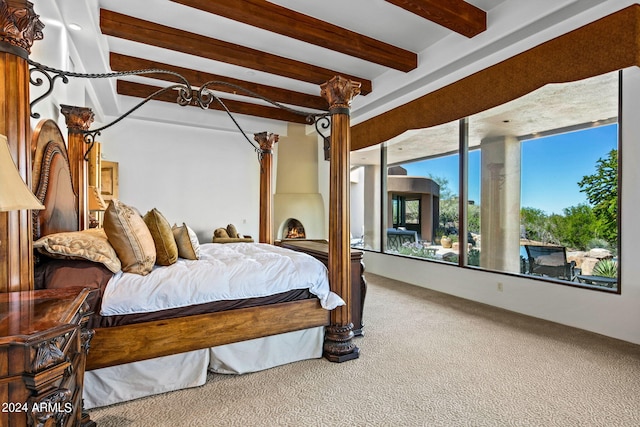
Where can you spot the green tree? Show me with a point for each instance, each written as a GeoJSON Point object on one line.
{"type": "Point", "coordinates": [536, 224]}
{"type": "Point", "coordinates": [601, 189]}
{"type": "Point", "coordinates": [576, 228]}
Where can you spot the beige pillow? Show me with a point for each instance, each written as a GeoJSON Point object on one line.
{"type": "Point", "coordinates": [130, 237]}
{"type": "Point", "coordinates": [165, 243]}
{"type": "Point", "coordinates": [187, 241]}
{"type": "Point", "coordinates": [220, 232]}
{"type": "Point", "coordinates": [232, 231]}
{"type": "Point", "coordinates": [91, 245]}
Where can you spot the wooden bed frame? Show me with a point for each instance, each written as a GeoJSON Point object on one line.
{"type": "Point", "coordinates": [17, 230]}
{"type": "Point", "coordinates": [130, 343]}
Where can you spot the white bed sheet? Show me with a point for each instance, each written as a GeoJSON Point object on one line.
{"type": "Point", "coordinates": [224, 272]}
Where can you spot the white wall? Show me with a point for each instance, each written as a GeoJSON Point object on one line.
{"type": "Point", "coordinates": [614, 315]}
{"type": "Point", "coordinates": [204, 178]}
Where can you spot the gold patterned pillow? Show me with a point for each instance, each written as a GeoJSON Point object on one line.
{"type": "Point", "coordinates": [165, 243]}
{"type": "Point", "coordinates": [91, 245]}
{"type": "Point", "coordinates": [187, 241]}
{"type": "Point", "coordinates": [130, 237]}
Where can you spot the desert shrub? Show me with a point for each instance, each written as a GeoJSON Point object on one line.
{"type": "Point", "coordinates": [606, 268]}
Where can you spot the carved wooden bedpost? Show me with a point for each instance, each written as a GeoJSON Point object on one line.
{"type": "Point", "coordinates": [19, 28]}
{"type": "Point", "coordinates": [266, 141]}
{"type": "Point", "coordinates": [338, 345]}
{"type": "Point", "coordinates": [77, 120]}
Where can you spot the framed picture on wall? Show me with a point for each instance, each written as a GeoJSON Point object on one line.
{"type": "Point", "coordinates": [109, 178]}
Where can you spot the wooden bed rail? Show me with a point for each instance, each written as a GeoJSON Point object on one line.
{"type": "Point", "coordinates": [131, 343]}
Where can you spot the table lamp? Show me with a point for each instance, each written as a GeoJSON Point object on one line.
{"type": "Point", "coordinates": [14, 193]}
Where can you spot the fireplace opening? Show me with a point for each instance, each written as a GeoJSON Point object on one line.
{"type": "Point", "coordinates": [294, 230]}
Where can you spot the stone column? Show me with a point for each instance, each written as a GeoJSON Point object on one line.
{"type": "Point", "coordinates": [500, 204]}
{"type": "Point", "coordinates": [372, 194]}
{"type": "Point", "coordinates": [266, 141]}
{"type": "Point", "coordinates": [339, 92]}
{"type": "Point", "coordinates": [19, 28]}
{"type": "Point", "coordinates": [78, 119]}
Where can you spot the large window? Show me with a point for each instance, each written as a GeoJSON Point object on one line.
{"type": "Point", "coordinates": [538, 195]}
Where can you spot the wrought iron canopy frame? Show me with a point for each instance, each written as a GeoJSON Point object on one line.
{"type": "Point", "coordinates": [202, 97]}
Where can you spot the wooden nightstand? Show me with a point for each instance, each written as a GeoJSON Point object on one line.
{"type": "Point", "coordinates": [44, 342]}
{"type": "Point", "coordinates": [319, 249]}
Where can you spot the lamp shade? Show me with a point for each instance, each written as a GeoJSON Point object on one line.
{"type": "Point", "coordinates": [14, 194]}
{"type": "Point", "coordinates": [96, 202]}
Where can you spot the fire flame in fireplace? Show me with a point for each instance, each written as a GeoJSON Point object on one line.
{"type": "Point", "coordinates": [294, 230]}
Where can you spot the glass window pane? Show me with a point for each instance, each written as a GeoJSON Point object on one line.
{"type": "Point", "coordinates": [366, 207]}
{"type": "Point", "coordinates": [543, 179]}
{"type": "Point", "coordinates": [422, 192]}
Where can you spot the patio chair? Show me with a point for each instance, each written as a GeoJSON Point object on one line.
{"type": "Point", "coordinates": [397, 237]}
{"type": "Point", "coordinates": [550, 261]}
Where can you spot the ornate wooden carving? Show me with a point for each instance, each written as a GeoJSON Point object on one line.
{"type": "Point", "coordinates": [54, 406]}
{"type": "Point", "coordinates": [45, 356]}
{"type": "Point", "coordinates": [266, 141]}
{"type": "Point", "coordinates": [85, 339]}
{"type": "Point", "coordinates": [19, 26]}
{"type": "Point", "coordinates": [339, 92]}
{"type": "Point", "coordinates": [52, 182]}
{"type": "Point", "coordinates": [48, 353]}
{"type": "Point", "coordinates": [78, 119]}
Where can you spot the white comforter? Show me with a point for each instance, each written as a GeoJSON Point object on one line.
{"type": "Point", "coordinates": [224, 272]}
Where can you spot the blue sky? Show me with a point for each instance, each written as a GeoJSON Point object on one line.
{"type": "Point", "coordinates": [551, 167]}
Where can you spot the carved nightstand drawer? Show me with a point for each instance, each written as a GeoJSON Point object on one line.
{"type": "Point", "coordinates": [43, 346]}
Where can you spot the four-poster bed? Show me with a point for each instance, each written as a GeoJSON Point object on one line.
{"type": "Point", "coordinates": [59, 180]}
{"type": "Point", "coordinates": [141, 341]}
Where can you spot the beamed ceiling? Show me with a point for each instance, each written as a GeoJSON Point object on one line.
{"type": "Point", "coordinates": [457, 15]}
{"type": "Point", "coordinates": [284, 50]}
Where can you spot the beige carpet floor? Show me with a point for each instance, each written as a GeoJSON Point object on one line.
{"type": "Point", "coordinates": [428, 359]}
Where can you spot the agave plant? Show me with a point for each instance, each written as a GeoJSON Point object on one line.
{"type": "Point", "coordinates": [606, 268]}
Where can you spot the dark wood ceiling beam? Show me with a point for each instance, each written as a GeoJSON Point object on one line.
{"type": "Point", "coordinates": [139, 90]}
{"type": "Point", "coordinates": [197, 78]}
{"type": "Point", "coordinates": [127, 27]}
{"type": "Point", "coordinates": [280, 20]}
{"type": "Point", "coordinates": [457, 15]}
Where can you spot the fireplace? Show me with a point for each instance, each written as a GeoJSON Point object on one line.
{"type": "Point", "coordinates": [293, 230]}
{"type": "Point", "coordinates": [297, 191]}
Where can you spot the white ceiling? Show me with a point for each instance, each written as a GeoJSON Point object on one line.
{"type": "Point", "coordinates": [443, 55]}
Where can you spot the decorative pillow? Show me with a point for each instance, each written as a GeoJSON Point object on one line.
{"type": "Point", "coordinates": [231, 231]}
{"type": "Point", "coordinates": [165, 243]}
{"type": "Point", "coordinates": [65, 273]}
{"type": "Point", "coordinates": [187, 241]}
{"type": "Point", "coordinates": [130, 237]}
{"type": "Point", "coordinates": [220, 232]}
{"type": "Point", "coordinates": [91, 245]}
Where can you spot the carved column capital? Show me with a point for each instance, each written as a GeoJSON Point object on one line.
{"type": "Point", "coordinates": [266, 140]}
{"type": "Point", "coordinates": [19, 26]}
{"type": "Point", "coordinates": [339, 92]}
{"type": "Point", "coordinates": [77, 118]}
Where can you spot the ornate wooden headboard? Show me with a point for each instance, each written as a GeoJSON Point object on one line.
{"type": "Point", "coordinates": [51, 181]}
